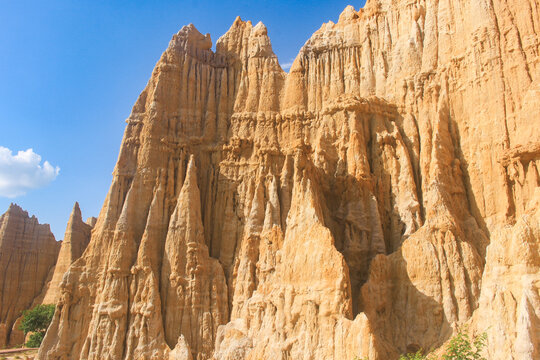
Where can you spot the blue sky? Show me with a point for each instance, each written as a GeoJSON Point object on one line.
{"type": "Point", "coordinates": [70, 71]}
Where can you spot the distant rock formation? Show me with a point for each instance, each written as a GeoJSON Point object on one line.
{"type": "Point", "coordinates": [34, 265]}
{"type": "Point", "coordinates": [91, 221]}
{"type": "Point", "coordinates": [382, 193]}
{"type": "Point", "coordinates": [28, 252]}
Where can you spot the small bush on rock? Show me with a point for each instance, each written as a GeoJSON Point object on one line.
{"type": "Point", "coordinates": [414, 356]}
{"type": "Point", "coordinates": [460, 347]}
{"type": "Point", "coordinates": [36, 321]}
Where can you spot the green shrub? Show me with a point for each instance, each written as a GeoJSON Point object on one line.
{"type": "Point", "coordinates": [460, 347]}
{"type": "Point", "coordinates": [36, 321]}
{"type": "Point", "coordinates": [35, 340]}
{"type": "Point", "coordinates": [414, 356]}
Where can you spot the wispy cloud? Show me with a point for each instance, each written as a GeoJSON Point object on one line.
{"type": "Point", "coordinates": [287, 65]}
{"type": "Point", "coordinates": [23, 171]}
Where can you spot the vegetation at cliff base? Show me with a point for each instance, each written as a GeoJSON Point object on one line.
{"type": "Point", "coordinates": [36, 321]}
{"type": "Point", "coordinates": [460, 347]}
{"type": "Point", "coordinates": [415, 356]}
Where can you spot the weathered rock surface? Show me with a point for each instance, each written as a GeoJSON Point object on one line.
{"type": "Point", "coordinates": [28, 252]}
{"type": "Point", "coordinates": [367, 203]}
{"type": "Point", "coordinates": [509, 305]}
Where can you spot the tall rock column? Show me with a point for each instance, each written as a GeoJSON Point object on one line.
{"type": "Point", "coordinates": [194, 290]}
{"type": "Point", "coordinates": [76, 239]}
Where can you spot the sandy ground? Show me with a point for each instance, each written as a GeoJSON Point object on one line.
{"type": "Point", "coordinates": [18, 354]}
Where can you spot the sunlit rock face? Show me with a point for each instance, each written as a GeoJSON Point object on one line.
{"type": "Point", "coordinates": [362, 204]}
{"type": "Point", "coordinates": [28, 253]}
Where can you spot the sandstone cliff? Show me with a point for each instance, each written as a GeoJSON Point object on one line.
{"type": "Point", "coordinates": [364, 204]}
{"type": "Point", "coordinates": [28, 252]}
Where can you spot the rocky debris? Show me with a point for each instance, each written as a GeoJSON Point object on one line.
{"type": "Point", "coordinates": [360, 205]}
{"type": "Point", "coordinates": [28, 252]}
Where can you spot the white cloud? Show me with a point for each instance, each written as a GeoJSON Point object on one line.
{"type": "Point", "coordinates": [287, 65]}
{"type": "Point", "coordinates": [22, 172]}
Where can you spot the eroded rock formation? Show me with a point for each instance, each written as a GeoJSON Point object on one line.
{"type": "Point", "coordinates": [361, 205]}
{"type": "Point", "coordinates": [28, 252]}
